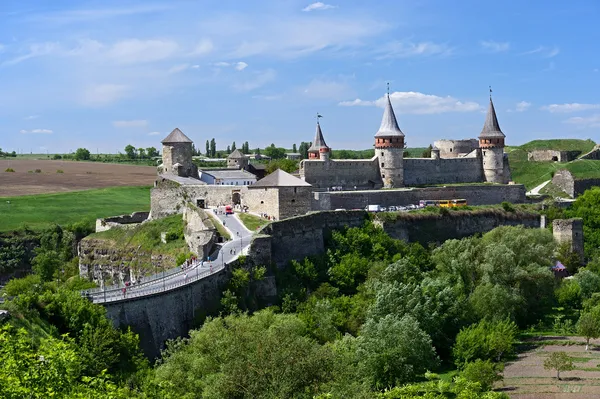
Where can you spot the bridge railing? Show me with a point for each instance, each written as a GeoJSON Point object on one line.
{"type": "Point", "coordinates": [132, 292]}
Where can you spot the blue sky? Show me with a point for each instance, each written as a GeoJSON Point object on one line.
{"type": "Point", "coordinates": [102, 74]}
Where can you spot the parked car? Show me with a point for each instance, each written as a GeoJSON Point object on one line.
{"type": "Point", "coordinates": [392, 208]}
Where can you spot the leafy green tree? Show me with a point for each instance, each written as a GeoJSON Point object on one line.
{"type": "Point", "coordinates": [233, 147]}
{"type": "Point", "coordinates": [568, 294]}
{"type": "Point", "coordinates": [587, 206]}
{"type": "Point", "coordinates": [482, 371]}
{"type": "Point", "coordinates": [82, 154]}
{"type": "Point", "coordinates": [287, 165]}
{"type": "Point", "coordinates": [589, 282]}
{"type": "Point", "coordinates": [141, 153]}
{"type": "Point", "coordinates": [275, 152]}
{"type": "Point", "coordinates": [228, 150]}
{"type": "Point", "coordinates": [46, 264]}
{"type": "Point", "coordinates": [294, 149]}
{"type": "Point", "coordinates": [262, 356]}
{"type": "Point", "coordinates": [486, 341]}
{"type": "Point", "coordinates": [558, 361]}
{"type": "Point", "coordinates": [427, 152]}
{"type": "Point", "coordinates": [130, 151]}
{"type": "Point", "coordinates": [213, 148]}
{"type": "Point", "coordinates": [303, 149]}
{"type": "Point", "coordinates": [207, 148]}
{"type": "Point", "coordinates": [393, 351]}
{"type": "Point", "coordinates": [151, 152]}
{"type": "Point", "coordinates": [588, 325]}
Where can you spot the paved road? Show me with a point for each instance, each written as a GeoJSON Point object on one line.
{"type": "Point", "coordinates": [536, 190]}
{"type": "Point", "coordinates": [222, 255]}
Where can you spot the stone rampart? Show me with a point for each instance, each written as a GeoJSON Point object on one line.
{"type": "Point", "coordinates": [568, 183]}
{"type": "Point", "coordinates": [199, 232]}
{"type": "Point", "coordinates": [456, 148]}
{"type": "Point", "coordinates": [347, 173]}
{"type": "Point", "coordinates": [552, 155]}
{"type": "Point", "coordinates": [121, 221]}
{"type": "Point", "coordinates": [434, 228]}
{"type": "Point", "coordinates": [423, 171]}
{"type": "Point", "coordinates": [481, 194]}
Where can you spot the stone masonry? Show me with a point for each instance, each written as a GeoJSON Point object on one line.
{"type": "Point", "coordinates": [569, 231]}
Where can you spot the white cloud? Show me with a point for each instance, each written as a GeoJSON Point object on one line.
{"type": "Point", "coordinates": [36, 131]}
{"type": "Point", "coordinates": [240, 66]}
{"type": "Point", "coordinates": [406, 49]}
{"type": "Point", "coordinates": [205, 46]}
{"type": "Point", "coordinates": [257, 80]}
{"type": "Point", "coordinates": [318, 6]}
{"type": "Point", "coordinates": [572, 107]}
{"type": "Point", "coordinates": [544, 51]}
{"type": "Point", "coordinates": [179, 68]}
{"type": "Point", "coordinates": [132, 123]}
{"type": "Point", "coordinates": [418, 103]}
{"type": "Point", "coordinates": [153, 133]}
{"type": "Point", "coordinates": [273, 97]}
{"type": "Point", "coordinates": [591, 121]}
{"type": "Point", "coordinates": [34, 50]}
{"type": "Point", "coordinates": [103, 94]}
{"type": "Point", "coordinates": [138, 51]}
{"type": "Point", "coordinates": [31, 117]}
{"type": "Point", "coordinates": [333, 90]}
{"type": "Point", "coordinates": [494, 47]}
{"type": "Point", "coordinates": [522, 106]}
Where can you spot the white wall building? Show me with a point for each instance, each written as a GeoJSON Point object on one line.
{"type": "Point", "coordinates": [227, 177]}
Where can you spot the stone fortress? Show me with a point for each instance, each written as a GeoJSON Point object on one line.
{"type": "Point", "coordinates": [463, 164]}
{"type": "Point", "coordinates": [452, 161]}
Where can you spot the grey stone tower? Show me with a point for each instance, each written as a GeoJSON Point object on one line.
{"type": "Point", "coordinates": [569, 231]}
{"type": "Point", "coordinates": [389, 148]}
{"type": "Point", "coordinates": [318, 148]}
{"type": "Point", "coordinates": [491, 142]}
{"type": "Point", "coordinates": [237, 160]}
{"type": "Point", "coordinates": [177, 155]}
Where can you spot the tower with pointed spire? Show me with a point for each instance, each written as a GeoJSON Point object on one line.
{"type": "Point", "coordinates": [491, 143]}
{"type": "Point", "coordinates": [318, 148]}
{"type": "Point", "coordinates": [389, 148]}
{"type": "Point", "coordinates": [177, 155]}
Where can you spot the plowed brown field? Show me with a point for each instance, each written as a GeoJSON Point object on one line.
{"type": "Point", "coordinates": [75, 176]}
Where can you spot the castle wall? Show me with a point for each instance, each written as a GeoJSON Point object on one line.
{"type": "Point", "coordinates": [391, 166]}
{"type": "Point", "coordinates": [262, 200]}
{"type": "Point", "coordinates": [294, 201]}
{"type": "Point", "coordinates": [455, 148]}
{"type": "Point", "coordinates": [552, 156]}
{"type": "Point", "coordinates": [180, 153]}
{"type": "Point", "coordinates": [424, 171]}
{"type": "Point", "coordinates": [493, 164]}
{"type": "Point", "coordinates": [347, 173]}
{"type": "Point", "coordinates": [474, 194]}
{"type": "Point", "coordinates": [572, 186]}
{"type": "Point", "coordinates": [122, 221]}
{"type": "Point", "coordinates": [569, 231]}
{"type": "Point", "coordinates": [169, 198]}
{"type": "Point", "coordinates": [199, 231]}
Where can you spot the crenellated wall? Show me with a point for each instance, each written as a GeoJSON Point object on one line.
{"type": "Point", "coordinates": [347, 173]}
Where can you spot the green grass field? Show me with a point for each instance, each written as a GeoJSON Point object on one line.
{"type": "Point", "coordinates": [252, 222]}
{"type": "Point", "coordinates": [39, 211]}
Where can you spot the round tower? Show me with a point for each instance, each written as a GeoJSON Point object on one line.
{"type": "Point", "coordinates": [318, 148]}
{"type": "Point", "coordinates": [389, 148]}
{"type": "Point", "coordinates": [491, 143]}
{"type": "Point", "coordinates": [177, 155]}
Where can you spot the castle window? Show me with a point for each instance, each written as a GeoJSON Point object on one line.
{"type": "Point", "coordinates": [484, 153]}
{"type": "Point", "coordinates": [293, 200]}
{"type": "Point", "coordinates": [262, 202]}
{"type": "Point", "coordinates": [295, 190]}
{"type": "Point", "coordinates": [450, 149]}
{"type": "Point", "coordinates": [382, 164]}
{"type": "Point", "coordinates": [382, 153]}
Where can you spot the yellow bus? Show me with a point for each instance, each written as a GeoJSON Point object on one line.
{"type": "Point", "coordinates": [452, 203]}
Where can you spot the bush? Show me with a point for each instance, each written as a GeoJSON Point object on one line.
{"type": "Point", "coordinates": [507, 206]}
{"type": "Point", "coordinates": [484, 340]}
{"type": "Point", "coordinates": [57, 156]}
{"type": "Point", "coordinates": [38, 171]}
{"type": "Point", "coordinates": [482, 371]}
{"type": "Point", "coordinates": [59, 171]}
{"type": "Point", "coordinates": [182, 257]}
{"type": "Point", "coordinates": [10, 170]}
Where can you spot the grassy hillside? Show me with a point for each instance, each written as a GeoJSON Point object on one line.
{"type": "Point", "coordinates": [39, 211]}
{"type": "Point", "coordinates": [532, 174]}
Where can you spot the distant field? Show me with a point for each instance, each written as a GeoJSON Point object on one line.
{"type": "Point", "coordinates": [39, 211]}
{"type": "Point", "coordinates": [62, 176]}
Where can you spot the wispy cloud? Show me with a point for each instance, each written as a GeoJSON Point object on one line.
{"type": "Point", "coordinates": [85, 15]}
{"type": "Point", "coordinates": [179, 68]}
{"type": "Point", "coordinates": [411, 102]}
{"type": "Point", "coordinates": [569, 107]}
{"type": "Point", "coordinates": [240, 66]}
{"type": "Point", "coordinates": [31, 117]}
{"type": "Point", "coordinates": [328, 89]}
{"type": "Point", "coordinates": [591, 121]}
{"type": "Point", "coordinates": [256, 80]}
{"type": "Point", "coordinates": [494, 47]}
{"type": "Point", "coordinates": [98, 95]}
{"type": "Point", "coordinates": [37, 131]}
{"type": "Point", "coordinates": [32, 51]}
{"type": "Point", "coordinates": [522, 106]}
{"type": "Point", "coordinates": [406, 49]}
{"type": "Point", "coordinates": [153, 133]}
{"type": "Point", "coordinates": [318, 6]}
{"type": "Point", "coordinates": [544, 51]}
{"type": "Point", "coordinates": [132, 123]}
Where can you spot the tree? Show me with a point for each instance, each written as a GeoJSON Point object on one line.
{"type": "Point", "coordinates": [393, 351]}
{"type": "Point", "coordinates": [257, 152]}
{"type": "Point", "coordinates": [294, 149]}
{"type": "Point", "coordinates": [82, 154]}
{"type": "Point", "coordinates": [275, 152]}
{"type": "Point", "coordinates": [589, 282]}
{"type": "Point", "coordinates": [558, 361]}
{"type": "Point", "coordinates": [213, 148]}
{"type": "Point", "coordinates": [151, 152]}
{"type": "Point", "coordinates": [427, 152]}
{"type": "Point", "coordinates": [482, 371]}
{"type": "Point", "coordinates": [588, 325]}
{"type": "Point", "coordinates": [228, 150]}
{"type": "Point", "coordinates": [207, 148]}
{"type": "Point", "coordinates": [141, 153]}
{"type": "Point", "coordinates": [485, 341]}
{"type": "Point", "coordinates": [246, 148]}
{"type": "Point", "coordinates": [233, 147]}
{"type": "Point", "coordinates": [304, 146]}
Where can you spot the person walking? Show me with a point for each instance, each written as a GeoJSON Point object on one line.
{"type": "Point", "coordinates": [185, 278]}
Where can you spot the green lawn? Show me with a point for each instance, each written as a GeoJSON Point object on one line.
{"type": "Point", "coordinates": [252, 222]}
{"type": "Point", "coordinates": [560, 144]}
{"type": "Point", "coordinates": [39, 211]}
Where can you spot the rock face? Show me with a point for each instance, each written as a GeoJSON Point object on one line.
{"type": "Point", "coordinates": [199, 231]}
{"type": "Point", "coordinates": [105, 264]}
